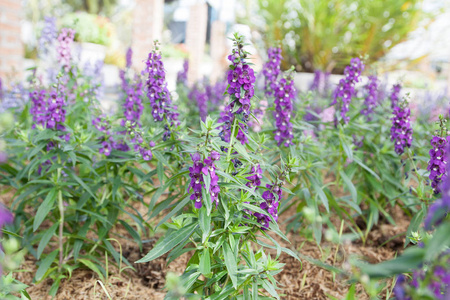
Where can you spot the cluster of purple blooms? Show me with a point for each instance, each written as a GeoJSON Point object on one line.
{"type": "Point", "coordinates": [439, 209]}
{"type": "Point", "coordinates": [49, 113]}
{"type": "Point", "coordinates": [241, 88]}
{"type": "Point", "coordinates": [199, 97]}
{"type": "Point", "coordinates": [284, 95]}
{"type": "Point", "coordinates": [129, 58]}
{"type": "Point", "coordinates": [434, 279]}
{"type": "Point", "coordinates": [271, 70]}
{"type": "Point", "coordinates": [321, 81]}
{"type": "Point", "coordinates": [132, 106]}
{"type": "Point", "coordinates": [438, 161]}
{"type": "Point", "coordinates": [395, 94]}
{"type": "Point", "coordinates": [182, 75]}
{"type": "Point", "coordinates": [254, 180]}
{"type": "Point", "coordinates": [65, 40]}
{"type": "Point", "coordinates": [102, 124]}
{"type": "Point", "coordinates": [271, 198]}
{"type": "Point", "coordinates": [197, 172]}
{"type": "Point", "coordinates": [346, 87]}
{"type": "Point", "coordinates": [370, 101]}
{"type": "Point", "coordinates": [401, 130]}
{"type": "Point", "coordinates": [48, 35]}
{"type": "Point", "coordinates": [158, 93]}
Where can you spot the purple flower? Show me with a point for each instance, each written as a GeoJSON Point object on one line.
{"type": "Point", "coordinates": [38, 107]}
{"type": "Point", "coordinates": [395, 94]}
{"type": "Point", "coordinates": [358, 142]}
{"type": "Point", "coordinates": [3, 157]}
{"type": "Point", "coordinates": [254, 180]}
{"type": "Point", "coordinates": [272, 198]}
{"type": "Point", "coordinates": [371, 100]}
{"type": "Point", "coordinates": [106, 148]}
{"type": "Point", "coordinates": [401, 130]}
{"type": "Point", "coordinates": [400, 288]}
{"type": "Point", "coordinates": [129, 57]}
{"type": "Point", "coordinates": [158, 93]}
{"type": "Point", "coordinates": [65, 40]}
{"type": "Point", "coordinates": [48, 36]}
{"type": "Point", "coordinates": [132, 107]}
{"type": "Point", "coordinates": [271, 70]}
{"type": "Point", "coordinates": [438, 161]}
{"type": "Point", "coordinates": [182, 75]}
{"type": "Point", "coordinates": [241, 88]}
{"type": "Point", "coordinates": [284, 94]}
{"type": "Point", "coordinates": [316, 81]}
{"type": "Point", "coordinates": [6, 217]}
{"type": "Point", "coordinates": [346, 87]}
{"type": "Point", "coordinates": [200, 169]}
{"type": "Point", "coordinates": [214, 93]}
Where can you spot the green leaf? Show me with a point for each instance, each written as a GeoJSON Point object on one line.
{"type": "Point", "coordinates": [350, 186]}
{"type": "Point", "coordinates": [204, 221]}
{"type": "Point", "coordinates": [94, 267]}
{"type": "Point", "coordinates": [231, 264]}
{"type": "Point", "coordinates": [169, 242]}
{"type": "Point", "coordinates": [269, 288]}
{"type": "Point", "coordinates": [45, 264]}
{"type": "Point", "coordinates": [177, 208]}
{"type": "Point", "coordinates": [160, 170]}
{"type": "Point", "coordinates": [359, 162]}
{"type": "Point", "coordinates": [81, 182]}
{"type": "Point", "coordinates": [44, 209]}
{"type": "Point", "coordinates": [205, 263]}
{"type": "Point", "coordinates": [45, 239]}
{"type": "Point", "coordinates": [319, 192]}
{"type": "Point", "coordinates": [414, 225]}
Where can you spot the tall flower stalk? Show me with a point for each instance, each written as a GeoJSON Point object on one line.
{"type": "Point", "coordinates": [395, 94]}
{"type": "Point", "coordinates": [346, 87]}
{"type": "Point", "coordinates": [158, 93]}
{"type": "Point", "coordinates": [438, 156]}
{"type": "Point", "coordinates": [371, 100]}
{"type": "Point", "coordinates": [271, 70]}
{"type": "Point", "coordinates": [284, 95]}
{"type": "Point", "coordinates": [401, 130]}
{"type": "Point", "coordinates": [241, 88]}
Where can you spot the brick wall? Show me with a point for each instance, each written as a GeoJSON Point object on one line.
{"type": "Point", "coordinates": [11, 47]}
{"type": "Point", "coordinates": [148, 17]}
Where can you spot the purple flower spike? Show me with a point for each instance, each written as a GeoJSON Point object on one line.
{"type": "Point", "coordinates": [65, 40]}
{"type": "Point", "coordinates": [241, 88]}
{"type": "Point", "coordinates": [182, 75]}
{"type": "Point", "coordinates": [271, 70]}
{"type": "Point", "coordinates": [284, 95]}
{"type": "Point", "coordinates": [401, 130]}
{"type": "Point", "coordinates": [346, 87]}
{"type": "Point", "coordinates": [438, 161]}
{"type": "Point", "coordinates": [48, 35]}
{"type": "Point", "coordinates": [199, 169]}
{"type": "Point", "coordinates": [129, 58]}
{"type": "Point", "coordinates": [371, 99]}
{"type": "Point", "coordinates": [395, 94]}
{"type": "Point", "coordinates": [6, 217]}
{"type": "Point", "coordinates": [158, 93]}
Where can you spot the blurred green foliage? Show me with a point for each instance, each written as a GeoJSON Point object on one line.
{"type": "Point", "coordinates": [325, 34]}
{"type": "Point", "coordinates": [89, 28]}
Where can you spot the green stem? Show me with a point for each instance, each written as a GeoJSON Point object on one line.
{"type": "Point", "coordinates": [231, 140]}
{"type": "Point", "coordinates": [61, 220]}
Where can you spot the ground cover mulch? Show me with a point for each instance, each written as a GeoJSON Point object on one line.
{"type": "Point", "coordinates": [298, 280]}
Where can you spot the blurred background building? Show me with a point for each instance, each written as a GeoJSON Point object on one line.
{"type": "Point", "coordinates": [407, 39]}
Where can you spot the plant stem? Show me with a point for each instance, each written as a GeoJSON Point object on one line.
{"type": "Point", "coordinates": [231, 140]}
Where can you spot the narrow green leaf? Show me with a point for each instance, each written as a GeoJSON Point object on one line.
{"type": "Point", "coordinates": [169, 242]}
{"type": "Point", "coordinates": [44, 209]}
{"type": "Point", "coordinates": [45, 264]}
{"type": "Point", "coordinates": [231, 264]}
{"type": "Point", "coordinates": [177, 208]}
{"type": "Point", "coordinates": [204, 221]}
{"type": "Point", "coordinates": [92, 266]}
{"type": "Point", "coordinates": [205, 263]}
{"type": "Point", "coordinates": [45, 239]}
{"type": "Point", "coordinates": [350, 186]}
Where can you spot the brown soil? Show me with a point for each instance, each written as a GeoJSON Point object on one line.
{"type": "Point", "coordinates": [297, 281]}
